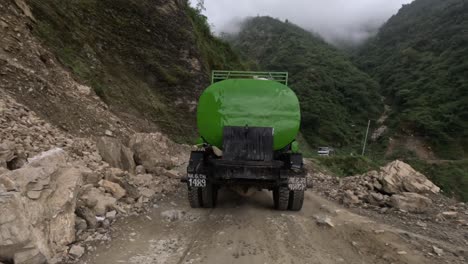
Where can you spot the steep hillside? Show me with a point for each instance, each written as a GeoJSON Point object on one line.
{"type": "Point", "coordinates": [420, 58]}
{"type": "Point", "coordinates": [336, 98]}
{"type": "Point", "coordinates": [147, 58]}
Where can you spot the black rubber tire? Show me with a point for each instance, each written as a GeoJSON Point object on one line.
{"type": "Point", "coordinates": [281, 198]}
{"type": "Point", "coordinates": [195, 197]}
{"type": "Point", "coordinates": [296, 200]}
{"type": "Point", "coordinates": [209, 196]}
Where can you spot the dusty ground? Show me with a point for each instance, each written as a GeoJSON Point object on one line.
{"type": "Point", "coordinates": [248, 230]}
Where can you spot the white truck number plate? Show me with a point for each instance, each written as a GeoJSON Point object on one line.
{"type": "Point", "coordinates": [196, 180]}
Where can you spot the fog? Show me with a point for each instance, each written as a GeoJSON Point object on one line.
{"type": "Point", "coordinates": [337, 21]}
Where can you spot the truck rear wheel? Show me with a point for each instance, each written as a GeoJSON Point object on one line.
{"type": "Point", "coordinates": [296, 200]}
{"type": "Point", "coordinates": [281, 198]}
{"type": "Point", "coordinates": [209, 196]}
{"type": "Point", "coordinates": [195, 197]}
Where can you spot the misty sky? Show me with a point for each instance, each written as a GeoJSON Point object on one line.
{"type": "Point", "coordinates": [333, 19]}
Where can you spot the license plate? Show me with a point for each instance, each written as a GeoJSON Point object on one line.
{"type": "Point", "coordinates": [196, 180]}
{"type": "Point", "coordinates": [297, 183]}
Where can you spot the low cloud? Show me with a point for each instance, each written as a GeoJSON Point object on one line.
{"type": "Point", "coordinates": [337, 21]}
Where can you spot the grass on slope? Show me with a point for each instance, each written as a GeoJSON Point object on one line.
{"type": "Point", "coordinates": [149, 58]}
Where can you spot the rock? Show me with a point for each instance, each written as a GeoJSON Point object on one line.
{"type": "Point", "coordinates": [143, 180]}
{"type": "Point", "coordinates": [108, 133]}
{"type": "Point", "coordinates": [324, 221]}
{"type": "Point", "coordinates": [451, 214]}
{"type": "Point", "coordinates": [349, 198]}
{"type": "Point", "coordinates": [146, 192]}
{"type": "Point", "coordinates": [309, 180]}
{"type": "Point", "coordinates": [172, 174]}
{"type": "Point", "coordinates": [411, 202]}
{"type": "Point", "coordinates": [80, 224]}
{"type": "Point", "coordinates": [402, 252]}
{"type": "Point", "coordinates": [98, 201]}
{"type": "Point", "coordinates": [38, 220]}
{"type": "Point", "coordinates": [111, 215]}
{"type": "Point", "coordinates": [25, 9]}
{"type": "Point", "coordinates": [34, 195]}
{"type": "Point", "coordinates": [88, 215]}
{"type": "Point", "coordinates": [131, 190]}
{"type": "Point", "coordinates": [51, 158]}
{"type": "Point", "coordinates": [376, 199]}
{"type": "Point", "coordinates": [3, 24]}
{"type": "Point", "coordinates": [7, 183]}
{"type": "Point", "coordinates": [116, 154]}
{"type": "Point", "coordinates": [399, 177]}
{"type": "Point", "coordinates": [83, 89]}
{"type": "Point", "coordinates": [91, 177]}
{"type": "Point", "coordinates": [29, 256]}
{"type": "Point", "coordinates": [7, 153]}
{"type": "Point", "coordinates": [76, 251]}
{"type": "Point", "coordinates": [153, 150]}
{"type": "Point", "coordinates": [421, 224]}
{"type": "Point", "coordinates": [173, 215]}
{"type": "Point", "coordinates": [140, 169]}
{"type": "Point", "coordinates": [377, 196]}
{"type": "Point", "coordinates": [105, 224]}
{"type": "Point", "coordinates": [437, 250]}
{"type": "Point", "coordinates": [117, 191]}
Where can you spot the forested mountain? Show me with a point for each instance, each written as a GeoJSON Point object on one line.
{"type": "Point", "coordinates": [420, 59]}
{"type": "Point", "coordinates": [336, 98]}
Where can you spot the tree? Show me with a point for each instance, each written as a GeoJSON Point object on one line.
{"type": "Point", "coordinates": [200, 6]}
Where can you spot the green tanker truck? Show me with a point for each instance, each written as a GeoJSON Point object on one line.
{"type": "Point", "coordinates": [248, 122]}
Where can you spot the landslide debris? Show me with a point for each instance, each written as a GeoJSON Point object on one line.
{"type": "Point", "coordinates": [402, 197]}
{"type": "Point", "coordinates": [58, 194]}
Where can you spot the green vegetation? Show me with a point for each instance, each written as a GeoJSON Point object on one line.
{"type": "Point", "coordinates": [217, 53]}
{"type": "Point", "coordinates": [420, 59]}
{"type": "Point", "coordinates": [452, 177]}
{"type": "Point", "coordinates": [343, 166]}
{"type": "Point", "coordinates": [146, 58]}
{"type": "Point", "coordinates": [336, 98]}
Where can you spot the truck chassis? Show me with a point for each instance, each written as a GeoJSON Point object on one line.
{"type": "Point", "coordinates": [248, 160]}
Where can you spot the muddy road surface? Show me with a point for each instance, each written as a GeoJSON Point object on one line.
{"type": "Point", "coordinates": [248, 230]}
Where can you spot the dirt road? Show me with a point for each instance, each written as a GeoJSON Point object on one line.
{"type": "Point", "coordinates": [248, 230]}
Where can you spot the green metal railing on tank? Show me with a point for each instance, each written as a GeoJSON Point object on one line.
{"type": "Point", "coordinates": [281, 77]}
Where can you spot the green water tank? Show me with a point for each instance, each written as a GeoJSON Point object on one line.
{"type": "Point", "coordinates": [248, 102]}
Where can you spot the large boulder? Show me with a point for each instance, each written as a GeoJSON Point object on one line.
{"type": "Point", "coordinates": [7, 153]}
{"type": "Point", "coordinates": [410, 202]}
{"type": "Point", "coordinates": [97, 200]}
{"type": "Point", "coordinates": [37, 219]}
{"type": "Point", "coordinates": [154, 150]}
{"type": "Point", "coordinates": [399, 177]}
{"type": "Point", "coordinates": [114, 188]}
{"type": "Point", "coordinates": [116, 154]}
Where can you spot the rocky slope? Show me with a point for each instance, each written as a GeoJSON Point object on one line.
{"type": "Point", "coordinates": [69, 167]}
{"type": "Point", "coordinates": [398, 195]}
{"type": "Point", "coordinates": [147, 59]}
{"type": "Point", "coordinates": [64, 189]}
